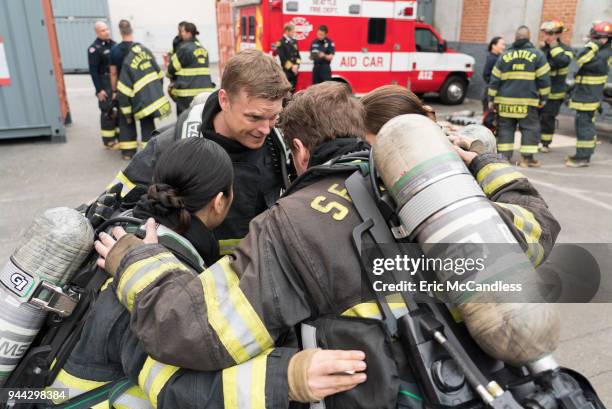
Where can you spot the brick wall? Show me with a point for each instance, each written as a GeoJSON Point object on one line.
{"type": "Point", "coordinates": [474, 21]}
{"type": "Point", "coordinates": [564, 10]}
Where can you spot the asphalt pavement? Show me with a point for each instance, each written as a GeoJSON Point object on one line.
{"type": "Point", "coordinates": [37, 175]}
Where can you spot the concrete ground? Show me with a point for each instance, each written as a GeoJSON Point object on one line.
{"type": "Point", "coordinates": [37, 175]}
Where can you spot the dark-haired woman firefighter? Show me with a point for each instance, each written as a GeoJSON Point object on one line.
{"type": "Point", "coordinates": [141, 97]}
{"type": "Point", "coordinates": [188, 69]}
{"type": "Point", "coordinates": [108, 368]}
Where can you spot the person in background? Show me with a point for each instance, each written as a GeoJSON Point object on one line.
{"type": "Point", "coordinates": [117, 55]}
{"type": "Point", "coordinates": [497, 46]}
{"type": "Point", "coordinates": [289, 54]}
{"type": "Point", "coordinates": [188, 70]}
{"type": "Point", "coordinates": [322, 53]}
{"type": "Point", "coordinates": [177, 39]}
{"type": "Point", "coordinates": [98, 56]}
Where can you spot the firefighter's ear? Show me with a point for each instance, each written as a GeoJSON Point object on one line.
{"type": "Point", "coordinates": [301, 155]}
{"type": "Point", "coordinates": [223, 99]}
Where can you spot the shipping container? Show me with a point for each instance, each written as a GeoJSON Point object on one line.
{"type": "Point", "coordinates": [32, 92]}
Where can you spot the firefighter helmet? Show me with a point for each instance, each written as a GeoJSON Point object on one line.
{"type": "Point", "coordinates": [601, 29]}
{"type": "Point", "coordinates": [553, 27]}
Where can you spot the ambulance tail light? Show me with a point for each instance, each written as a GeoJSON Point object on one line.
{"type": "Point", "coordinates": [408, 11]}
{"type": "Point", "coordinates": [277, 5]}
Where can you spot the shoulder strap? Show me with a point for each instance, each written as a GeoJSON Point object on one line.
{"type": "Point", "coordinates": [106, 392]}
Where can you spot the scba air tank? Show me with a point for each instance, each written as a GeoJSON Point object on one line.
{"type": "Point", "coordinates": [49, 253]}
{"type": "Point", "coordinates": [439, 201]}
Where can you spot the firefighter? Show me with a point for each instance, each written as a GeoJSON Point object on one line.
{"type": "Point", "coordinates": [188, 71]}
{"type": "Point", "coordinates": [98, 56]}
{"type": "Point", "coordinates": [520, 84]}
{"type": "Point", "coordinates": [594, 62]}
{"type": "Point", "coordinates": [559, 57]}
{"type": "Point", "coordinates": [141, 97]}
{"type": "Point", "coordinates": [297, 255]}
{"type": "Point", "coordinates": [176, 41]}
{"type": "Point", "coordinates": [287, 50]}
{"type": "Point", "coordinates": [322, 52]}
{"type": "Point", "coordinates": [241, 117]}
{"type": "Point", "coordinates": [117, 55]}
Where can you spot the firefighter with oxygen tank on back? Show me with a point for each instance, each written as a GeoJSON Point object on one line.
{"type": "Point", "coordinates": [594, 62]}
{"type": "Point", "coordinates": [312, 268]}
{"type": "Point", "coordinates": [559, 57]}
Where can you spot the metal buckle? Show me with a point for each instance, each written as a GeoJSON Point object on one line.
{"type": "Point", "coordinates": [61, 303]}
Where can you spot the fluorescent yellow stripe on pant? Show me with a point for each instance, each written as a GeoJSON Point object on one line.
{"type": "Point", "coordinates": [529, 149]}
{"type": "Point", "coordinates": [142, 273]}
{"type": "Point", "coordinates": [583, 106]}
{"type": "Point", "coordinates": [546, 137]}
{"type": "Point", "coordinates": [585, 144]}
{"type": "Point", "coordinates": [108, 134]}
{"type": "Point", "coordinates": [76, 386]}
{"type": "Point", "coordinates": [530, 228]}
{"type": "Point", "coordinates": [495, 175]}
{"type": "Point", "coordinates": [557, 95]}
{"type": "Point", "coordinates": [133, 398]}
{"type": "Point", "coordinates": [544, 91]}
{"type": "Point", "coordinates": [244, 385]}
{"type": "Point", "coordinates": [127, 145]}
{"type": "Point", "coordinates": [505, 147]}
{"type": "Point", "coordinates": [153, 377]}
{"type": "Point", "coordinates": [230, 314]}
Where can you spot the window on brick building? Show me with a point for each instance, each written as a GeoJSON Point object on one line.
{"type": "Point", "coordinates": [426, 41]}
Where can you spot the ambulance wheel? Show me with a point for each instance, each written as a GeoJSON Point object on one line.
{"type": "Point", "coordinates": [453, 91]}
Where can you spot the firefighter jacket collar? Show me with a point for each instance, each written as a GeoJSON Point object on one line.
{"type": "Point", "coordinates": [335, 148]}
{"type": "Point", "coordinates": [202, 239]}
{"type": "Point", "coordinates": [524, 43]}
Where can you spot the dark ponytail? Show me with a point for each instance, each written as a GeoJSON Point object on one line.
{"type": "Point", "coordinates": [187, 176]}
{"type": "Point", "coordinates": [191, 28]}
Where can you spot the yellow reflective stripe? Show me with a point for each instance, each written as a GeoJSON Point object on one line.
{"type": "Point", "coordinates": [226, 247]}
{"type": "Point", "coordinates": [141, 268]}
{"type": "Point", "coordinates": [147, 79]}
{"type": "Point", "coordinates": [495, 175]}
{"type": "Point", "coordinates": [288, 64]}
{"type": "Point", "coordinates": [547, 137]}
{"type": "Point", "coordinates": [517, 101]}
{"type": "Point", "coordinates": [190, 92]}
{"type": "Point", "coordinates": [149, 109]}
{"type": "Point", "coordinates": [544, 91]}
{"type": "Point", "coordinates": [106, 284]}
{"type": "Point", "coordinates": [504, 147]}
{"type": "Point", "coordinates": [125, 90]}
{"type": "Point", "coordinates": [133, 398]}
{"type": "Point", "coordinates": [127, 145]}
{"type": "Point", "coordinates": [585, 144]}
{"type": "Point", "coordinates": [189, 72]}
{"type": "Point", "coordinates": [591, 79]}
{"type": "Point", "coordinates": [244, 385]}
{"type": "Point", "coordinates": [76, 386]}
{"type": "Point", "coordinates": [518, 75]}
{"type": "Point", "coordinates": [160, 75]}
{"type": "Point", "coordinates": [512, 115]}
{"type": "Point", "coordinates": [371, 310]}
{"type": "Point", "coordinates": [125, 181]}
{"type": "Point", "coordinates": [529, 149]}
{"type": "Point", "coordinates": [176, 64]}
{"type": "Point", "coordinates": [246, 336]}
{"type": "Point", "coordinates": [557, 95]}
{"type": "Point", "coordinates": [107, 134]}
{"type": "Point", "coordinates": [583, 106]}
{"type": "Point", "coordinates": [586, 58]}
{"type": "Point", "coordinates": [496, 72]}
{"type": "Point", "coordinates": [492, 92]}
{"type": "Point", "coordinates": [153, 377]}
{"type": "Point", "coordinates": [556, 51]}
{"type": "Point", "coordinates": [126, 110]}
{"type": "Point", "coordinates": [543, 70]}
{"type": "Point", "coordinates": [569, 54]}
{"type": "Point", "coordinates": [530, 228]}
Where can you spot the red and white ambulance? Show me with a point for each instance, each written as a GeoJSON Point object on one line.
{"type": "Point", "coordinates": [377, 42]}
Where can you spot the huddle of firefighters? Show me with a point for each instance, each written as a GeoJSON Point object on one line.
{"type": "Point", "coordinates": [129, 82]}
{"type": "Point", "coordinates": [527, 87]}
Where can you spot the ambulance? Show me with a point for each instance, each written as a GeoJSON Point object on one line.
{"type": "Point", "coordinates": [377, 42]}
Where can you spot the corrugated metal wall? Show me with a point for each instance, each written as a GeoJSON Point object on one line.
{"type": "Point", "coordinates": [74, 21]}
{"type": "Point", "coordinates": [29, 106]}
